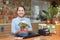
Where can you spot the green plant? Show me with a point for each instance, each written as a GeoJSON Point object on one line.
{"type": "Point", "coordinates": [58, 16]}
{"type": "Point", "coordinates": [51, 13]}
{"type": "Point", "coordinates": [47, 15]}
{"type": "Point", "coordinates": [24, 25]}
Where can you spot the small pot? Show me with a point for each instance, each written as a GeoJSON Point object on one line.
{"type": "Point", "coordinates": [23, 28]}
{"type": "Point", "coordinates": [54, 20]}
{"type": "Point", "coordinates": [48, 21]}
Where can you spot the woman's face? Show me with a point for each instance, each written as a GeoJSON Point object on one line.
{"type": "Point", "coordinates": [21, 12]}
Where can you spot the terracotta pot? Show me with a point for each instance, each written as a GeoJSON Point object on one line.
{"type": "Point", "coordinates": [54, 20]}
{"type": "Point", "coordinates": [48, 21]}
{"type": "Point", "coordinates": [23, 29]}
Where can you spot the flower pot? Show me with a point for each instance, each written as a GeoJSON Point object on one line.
{"type": "Point", "coordinates": [48, 21]}
{"type": "Point", "coordinates": [23, 29]}
{"type": "Point", "coordinates": [55, 20]}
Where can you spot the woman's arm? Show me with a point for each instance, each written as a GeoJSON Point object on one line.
{"type": "Point", "coordinates": [14, 29]}
{"type": "Point", "coordinates": [29, 23]}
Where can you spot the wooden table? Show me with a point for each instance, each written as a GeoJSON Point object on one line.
{"type": "Point", "coordinates": [50, 37]}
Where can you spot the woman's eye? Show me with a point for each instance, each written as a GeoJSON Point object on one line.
{"type": "Point", "coordinates": [22, 10]}
{"type": "Point", "coordinates": [18, 10]}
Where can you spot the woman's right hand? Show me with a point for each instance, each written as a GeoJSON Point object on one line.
{"type": "Point", "coordinates": [21, 31]}
{"type": "Point", "coordinates": [24, 30]}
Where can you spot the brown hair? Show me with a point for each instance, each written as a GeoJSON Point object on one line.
{"type": "Point", "coordinates": [21, 6]}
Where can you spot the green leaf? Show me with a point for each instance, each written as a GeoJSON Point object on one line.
{"type": "Point", "coordinates": [47, 14]}
{"type": "Point", "coordinates": [23, 25]}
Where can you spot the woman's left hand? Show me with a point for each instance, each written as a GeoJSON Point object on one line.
{"type": "Point", "coordinates": [24, 30]}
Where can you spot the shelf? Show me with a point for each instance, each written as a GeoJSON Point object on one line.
{"type": "Point", "coordinates": [8, 11]}
{"type": "Point", "coordinates": [31, 22]}
{"type": "Point", "coordinates": [5, 24]}
{"type": "Point", "coordinates": [10, 23]}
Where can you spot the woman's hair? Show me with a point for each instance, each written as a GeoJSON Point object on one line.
{"type": "Point", "coordinates": [21, 6]}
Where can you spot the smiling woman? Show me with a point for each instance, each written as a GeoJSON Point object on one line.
{"type": "Point", "coordinates": [21, 11]}
{"type": "Point", "coordinates": [16, 29]}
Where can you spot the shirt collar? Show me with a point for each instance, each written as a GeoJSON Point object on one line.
{"type": "Point", "coordinates": [21, 18]}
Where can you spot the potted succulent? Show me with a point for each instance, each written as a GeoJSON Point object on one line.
{"type": "Point", "coordinates": [23, 25]}
{"type": "Point", "coordinates": [23, 29]}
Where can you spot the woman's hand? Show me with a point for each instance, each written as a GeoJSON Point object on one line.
{"type": "Point", "coordinates": [24, 30]}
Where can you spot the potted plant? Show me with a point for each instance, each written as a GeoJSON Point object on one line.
{"type": "Point", "coordinates": [23, 26]}
{"type": "Point", "coordinates": [23, 29]}
{"type": "Point", "coordinates": [51, 13]}
{"type": "Point", "coordinates": [57, 18]}
{"type": "Point", "coordinates": [48, 17]}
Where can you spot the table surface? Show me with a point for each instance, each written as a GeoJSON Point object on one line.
{"type": "Point", "coordinates": [50, 37]}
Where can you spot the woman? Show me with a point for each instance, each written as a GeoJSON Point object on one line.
{"type": "Point", "coordinates": [21, 17]}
